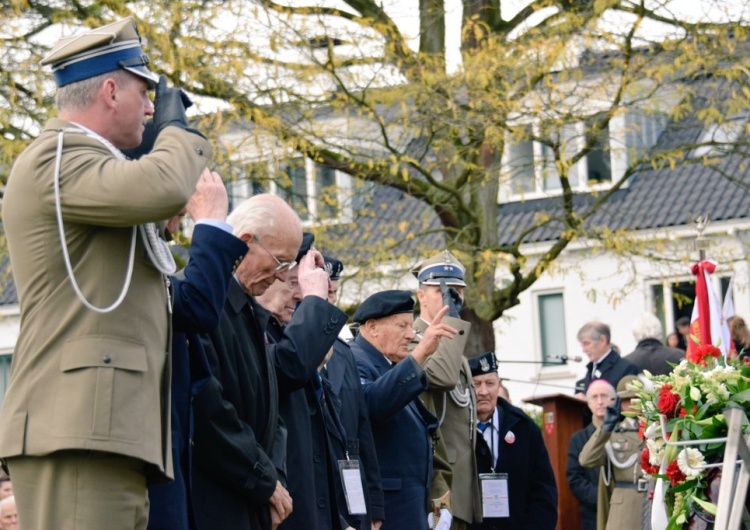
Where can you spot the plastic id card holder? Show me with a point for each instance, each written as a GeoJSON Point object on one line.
{"type": "Point", "coordinates": [494, 494]}
{"type": "Point", "coordinates": [353, 491]}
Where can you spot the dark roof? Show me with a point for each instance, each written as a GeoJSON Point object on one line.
{"type": "Point", "coordinates": [653, 198]}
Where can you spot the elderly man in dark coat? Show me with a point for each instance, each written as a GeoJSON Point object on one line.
{"type": "Point", "coordinates": [299, 340]}
{"type": "Point", "coordinates": [511, 448]}
{"type": "Point", "coordinates": [650, 354]}
{"type": "Point", "coordinates": [392, 378]}
{"type": "Point", "coordinates": [240, 442]}
{"type": "Point", "coordinates": [584, 482]}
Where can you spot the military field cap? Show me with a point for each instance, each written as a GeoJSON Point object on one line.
{"type": "Point", "coordinates": [442, 266]}
{"type": "Point", "coordinates": [384, 304]}
{"type": "Point", "coordinates": [101, 50]}
{"type": "Point", "coordinates": [483, 364]}
{"type": "Point", "coordinates": [307, 242]}
{"type": "Point", "coordinates": [334, 267]}
{"type": "Point", "coordinates": [622, 390]}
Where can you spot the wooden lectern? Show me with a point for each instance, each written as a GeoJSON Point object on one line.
{"type": "Point", "coordinates": [562, 416]}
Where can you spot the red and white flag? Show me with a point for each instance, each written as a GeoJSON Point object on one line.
{"type": "Point", "coordinates": [706, 324]}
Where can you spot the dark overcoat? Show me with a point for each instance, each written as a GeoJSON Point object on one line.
{"type": "Point", "coordinates": [612, 369]}
{"type": "Point", "coordinates": [348, 400]}
{"type": "Point", "coordinates": [198, 294]}
{"type": "Point", "coordinates": [403, 430]}
{"type": "Point", "coordinates": [583, 481]}
{"type": "Point", "coordinates": [532, 490]}
{"type": "Point", "coordinates": [240, 441]}
{"type": "Point", "coordinates": [298, 349]}
{"type": "Point", "coordinates": [652, 355]}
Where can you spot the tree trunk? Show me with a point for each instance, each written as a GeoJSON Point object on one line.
{"type": "Point", "coordinates": [482, 336]}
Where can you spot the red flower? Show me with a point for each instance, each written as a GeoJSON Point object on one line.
{"type": "Point", "coordinates": [642, 429]}
{"type": "Point", "coordinates": [675, 475]}
{"type": "Point", "coordinates": [647, 467]}
{"type": "Point", "coordinates": [698, 354]}
{"type": "Point", "coordinates": [668, 400]}
{"type": "Point", "coordinates": [683, 411]}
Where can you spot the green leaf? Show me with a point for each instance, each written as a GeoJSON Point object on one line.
{"type": "Point", "coordinates": [710, 507]}
{"type": "Point", "coordinates": [741, 397]}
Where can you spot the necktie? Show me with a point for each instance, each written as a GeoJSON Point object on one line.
{"type": "Point", "coordinates": [318, 385]}
{"type": "Point", "coordinates": [482, 426]}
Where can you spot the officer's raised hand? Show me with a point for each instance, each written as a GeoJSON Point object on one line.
{"type": "Point", "coordinates": [612, 416]}
{"type": "Point", "coordinates": [170, 105]}
{"type": "Point", "coordinates": [452, 299]}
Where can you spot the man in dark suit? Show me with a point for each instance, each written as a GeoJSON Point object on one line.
{"type": "Point", "coordinates": [605, 363]}
{"type": "Point", "coordinates": [299, 340]}
{"type": "Point", "coordinates": [344, 393]}
{"type": "Point", "coordinates": [198, 297]}
{"type": "Point", "coordinates": [238, 462]}
{"type": "Point", "coordinates": [650, 354]}
{"type": "Point", "coordinates": [392, 378]}
{"type": "Point", "coordinates": [583, 481]}
{"type": "Point", "coordinates": [511, 455]}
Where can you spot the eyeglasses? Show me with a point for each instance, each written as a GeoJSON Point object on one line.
{"type": "Point", "coordinates": [281, 266]}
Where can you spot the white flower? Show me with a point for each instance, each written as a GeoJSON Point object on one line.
{"type": "Point", "coordinates": [691, 461]}
{"type": "Point", "coordinates": [695, 393]}
{"type": "Point", "coordinates": [653, 430]}
{"type": "Point", "coordinates": [655, 451]}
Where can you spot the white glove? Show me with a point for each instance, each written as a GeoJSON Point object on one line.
{"type": "Point", "coordinates": [444, 521]}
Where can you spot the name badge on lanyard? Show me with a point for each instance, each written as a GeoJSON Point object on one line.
{"type": "Point", "coordinates": [351, 478]}
{"type": "Point", "coordinates": [494, 488]}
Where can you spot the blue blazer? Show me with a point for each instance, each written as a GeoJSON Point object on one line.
{"type": "Point", "coordinates": [403, 430]}
{"type": "Point", "coordinates": [198, 297]}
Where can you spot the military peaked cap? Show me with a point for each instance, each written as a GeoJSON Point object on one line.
{"type": "Point", "coordinates": [101, 50]}
{"type": "Point", "coordinates": [443, 266]}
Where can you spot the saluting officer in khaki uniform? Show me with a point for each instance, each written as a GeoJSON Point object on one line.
{"type": "Point", "coordinates": [616, 446]}
{"type": "Point", "coordinates": [451, 394]}
{"type": "Point", "coordinates": [85, 421]}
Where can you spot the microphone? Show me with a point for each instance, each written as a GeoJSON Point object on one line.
{"type": "Point", "coordinates": [565, 358]}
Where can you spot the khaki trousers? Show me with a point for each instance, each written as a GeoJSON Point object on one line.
{"type": "Point", "coordinates": [79, 490]}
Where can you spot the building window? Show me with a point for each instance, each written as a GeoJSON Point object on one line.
{"type": "Point", "coordinates": [530, 169]}
{"type": "Point", "coordinates": [4, 374]}
{"type": "Point", "coordinates": [316, 192]}
{"type": "Point", "coordinates": [598, 159]}
{"type": "Point", "coordinates": [552, 327]}
{"type": "Point", "coordinates": [292, 187]}
{"type": "Point", "coordinates": [720, 138]}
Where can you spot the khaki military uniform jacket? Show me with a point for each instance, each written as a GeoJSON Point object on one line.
{"type": "Point", "coordinates": [619, 455]}
{"type": "Point", "coordinates": [448, 370]}
{"type": "Point", "coordinates": [81, 379]}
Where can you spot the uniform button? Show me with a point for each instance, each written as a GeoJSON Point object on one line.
{"type": "Point", "coordinates": [107, 359]}
{"type": "Point", "coordinates": [316, 457]}
{"type": "Point", "coordinates": [321, 503]}
{"type": "Point", "coordinates": [192, 443]}
{"type": "Point", "coordinates": [335, 320]}
{"type": "Point", "coordinates": [199, 150]}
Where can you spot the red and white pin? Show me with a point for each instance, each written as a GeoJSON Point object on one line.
{"type": "Point", "coordinates": [510, 437]}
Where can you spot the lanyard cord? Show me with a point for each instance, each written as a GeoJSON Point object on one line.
{"type": "Point", "coordinates": [492, 442]}
{"type": "Point", "coordinates": [64, 245]}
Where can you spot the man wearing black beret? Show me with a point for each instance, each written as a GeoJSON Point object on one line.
{"type": "Point", "coordinates": [510, 456]}
{"type": "Point", "coordinates": [392, 379]}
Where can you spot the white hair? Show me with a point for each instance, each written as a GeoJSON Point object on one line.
{"type": "Point", "coordinates": [80, 95]}
{"type": "Point", "coordinates": [647, 326]}
{"type": "Point", "coordinates": [258, 215]}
